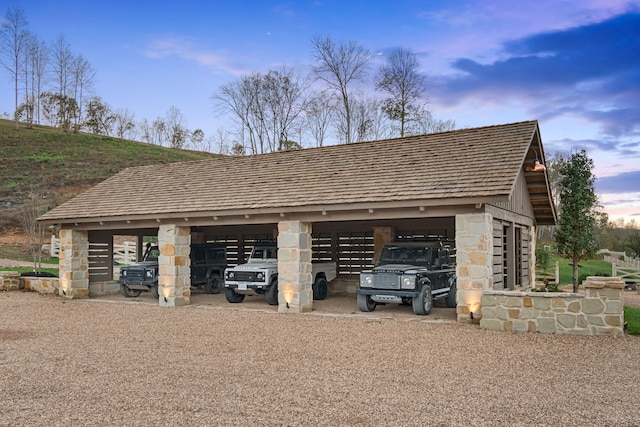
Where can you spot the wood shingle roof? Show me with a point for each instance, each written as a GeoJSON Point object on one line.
{"type": "Point", "coordinates": [454, 167]}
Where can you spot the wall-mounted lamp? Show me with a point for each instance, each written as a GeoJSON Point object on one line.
{"type": "Point", "coordinates": [537, 165]}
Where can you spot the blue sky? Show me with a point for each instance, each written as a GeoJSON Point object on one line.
{"type": "Point", "coordinates": [572, 65]}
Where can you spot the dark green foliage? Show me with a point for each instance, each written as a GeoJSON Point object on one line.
{"type": "Point", "coordinates": [575, 235]}
{"type": "Point", "coordinates": [633, 244]}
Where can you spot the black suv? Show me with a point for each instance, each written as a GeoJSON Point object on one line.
{"type": "Point", "coordinates": [415, 273]}
{"type": "Point", "coordinates": [208, 261]}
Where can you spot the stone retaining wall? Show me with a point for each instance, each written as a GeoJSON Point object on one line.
{"type": "Point", "coordinates": [9, 281]}
{"type": "Point", "coordinates": [43, 285]}
{"type": "Point", "coordinates": [599, 311]}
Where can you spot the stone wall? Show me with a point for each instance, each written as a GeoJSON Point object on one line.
{"type": "Point", "coordinates": [103, 288]}
{"type": "Point", "coordinates": [43, 285]}
{"type": "Point", "coordinates": [9, 281]}
{"type": "Point", "coordinates": [599, 311]}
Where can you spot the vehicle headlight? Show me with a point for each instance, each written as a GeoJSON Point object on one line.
{"type": "Point", "coordinates": [408, 282]}
{"type": "Point", "coordinates": [230, 275]}
{"type": "Point", "coordinates": [366, 280]}
{"type": "Point", "coordinates": [123, 273]}
{"type": "Point", "coordinates": [260, 276]}
{"type": "Point", "coordinates": [148, 274]}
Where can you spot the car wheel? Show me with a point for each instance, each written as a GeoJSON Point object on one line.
{"type": "Point", "coordinates": [213, 284]}
{"type": "Point", "coordinates": [232, 296]}
{"type": "Point", "coordinates": [423, 303]}
{"type": "Point", "coordinates": [365, 303]}
{"type": "Point", "coordinates": [154, 291]}
{"type": "Point", "coordinates": [320, 289]}
{"type": "Point", "coordinates": [271, 296]}
{"type": "Point", "coordinates": [129, 293]}
{"type": "Point", "coordinates": [451, 296]}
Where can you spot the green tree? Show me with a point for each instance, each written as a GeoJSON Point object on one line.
{"type": "Point", "coordinates": [575, 234]}
{"type": "Point", "coordinates": [633, 244]}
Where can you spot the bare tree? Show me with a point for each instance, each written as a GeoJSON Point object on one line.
{"type": "Point", "coordinates": [61, 63]}
{"type": "Point", "coordinates": [59, 109]}
{"type": "Point", "coordinates": [425, 122]}
{"type": "Point", "coordinates": [99, 116]}
{"type": "Point", "coordinates": [13, 46]}
{"type": "Point", "coordinates": [221, 140]}
{"type": "Point", "coordinates": [265, 108]}
{"type": "Point", "coordinates": [35, 206]}
{"type": "Point", "coordinates": [124, 123]}
{"type": "Point", "coordinates": [318, 116]}
{"type": "Point", "coordinates": [176, 127]}
{"type": "Point", "coordinates": [399, 77]}
{"type": "Point", "coordinates": [35, 74]}
{"type": "Point", "coordinates": [82, 78]}
{"type": "Point", "coordinates": [339, 66]}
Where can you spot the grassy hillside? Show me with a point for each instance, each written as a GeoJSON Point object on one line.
{"type": "Point", "coordinates": [61, 165]}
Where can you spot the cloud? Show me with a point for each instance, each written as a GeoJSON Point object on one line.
{"type": "Point", "coordinates": [186, 48]}
{"type": "Point", "coordinates": [626, 182]}
{"type": "Point", "coordinates": [591, 71]}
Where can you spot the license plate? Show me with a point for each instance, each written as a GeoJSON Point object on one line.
{"type": "Point", "coordinates": [242, 286]}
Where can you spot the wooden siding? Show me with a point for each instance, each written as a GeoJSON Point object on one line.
{"type": "Point", "coordinates": [520, 201]}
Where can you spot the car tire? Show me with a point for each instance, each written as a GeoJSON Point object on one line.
{"type": "Point", "coordinates": [320, 289]}
{"type": "Point", "coordinates": [154, 291]}
{"type": "Point", "coordinates": [129, 293]}
{"type": "Point", "coordinates": [423, 303]}
{"type": "Point", "coordinates": [365, 303]}
{"type": "Point", "coordinates": [271, 296]}
{"type": "Point", "coordinates": [213, 284]}
{"type": "Point", "coordinates": [232, 296]}
{"type": "Point", "coordinates": [451, 296]}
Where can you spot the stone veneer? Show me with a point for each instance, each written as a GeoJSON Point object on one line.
{"type": "Point", "coordinates": [9, 281]}
{"type": "Point", "coordinates": [295, 294]}
{"type": "Point", "coordinates": [474, 257]}
{"type": "Point", "coordinates": [599, 311]}
{"type": "Point", "coordinates": [174, 278]}
{"type": "Point", "coordinates": [74, 264]}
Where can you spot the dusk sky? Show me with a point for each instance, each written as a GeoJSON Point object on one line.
{"type": "Point", "coordinates": [572, 65]}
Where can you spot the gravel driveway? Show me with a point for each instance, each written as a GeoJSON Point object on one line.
{"type": "Point", "coordinates": [109, 361]}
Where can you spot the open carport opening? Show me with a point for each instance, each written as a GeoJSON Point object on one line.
{"type": "Point", "coordinates": [352, 245]}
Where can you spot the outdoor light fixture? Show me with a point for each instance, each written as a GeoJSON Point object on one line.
{"type": "Point", "coordinates": [537, 166]}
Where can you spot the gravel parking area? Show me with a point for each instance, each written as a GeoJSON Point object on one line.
{"type": "Point", "coordinates": [112, 361]}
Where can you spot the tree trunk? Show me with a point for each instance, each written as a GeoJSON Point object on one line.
{"type": "Point", "coordinates": [575, 275]}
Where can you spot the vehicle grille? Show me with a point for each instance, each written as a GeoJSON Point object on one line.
{"type": "Point", "coordinates": [135, 274]}
{"type": "Point", "coordinates": [386, 281]}
{"type": "Point", "coordinates": [246, 276]}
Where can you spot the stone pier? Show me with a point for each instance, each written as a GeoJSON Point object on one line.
{"type": "Point", "coordinates": [74, 264]}
{"type": "Point", "coordinates": [295, 293]}
{"type": "Point", "coordinates": [174, 279]}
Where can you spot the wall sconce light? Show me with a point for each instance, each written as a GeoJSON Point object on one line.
{"type": "Point", "coordinates": [537, 165]}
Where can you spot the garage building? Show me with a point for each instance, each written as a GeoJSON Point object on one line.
{"type": "Point", "coordinates": [484, 189]}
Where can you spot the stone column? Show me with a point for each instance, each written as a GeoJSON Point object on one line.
{"type": "Point", "coordinates": [174, 281]}
{"type": "Point", "coordinates": [295, 293]}
{"type": "Point", "coordinates": [474, 269]}
{"type": "Point", "coordinates": [74, 264]}
{"type": "Point", "coordinates": [381, 237]}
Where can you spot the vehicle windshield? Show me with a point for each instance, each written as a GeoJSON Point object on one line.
{"type": "Point", "coordinates": [152, 254]}
{"type": "Point", "coordinates": [265, 253]}
{"type": "Point", "coordinates": [414, 255]}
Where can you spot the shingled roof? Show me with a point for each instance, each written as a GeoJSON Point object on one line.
{"type": "Point", "coordinates": [442, 168]}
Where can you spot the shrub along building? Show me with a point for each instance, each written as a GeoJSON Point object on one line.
{"type": "Point", "coordinates": [484, 189]}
